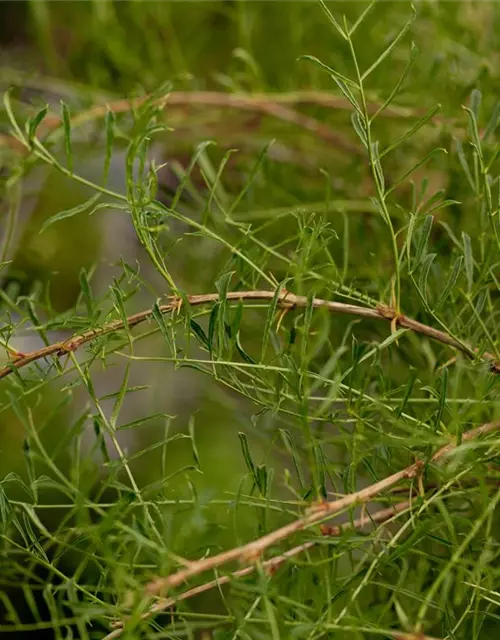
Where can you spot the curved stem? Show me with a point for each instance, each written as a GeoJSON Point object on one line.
{"type": "Point", "coordinates": [286, 300]}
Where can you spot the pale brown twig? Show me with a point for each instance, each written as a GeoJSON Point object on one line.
{"type": "Point", "coordinates": [403, 635]}
{"type": "Point", "coordinates": [275, 105]}
{"type": "Point", "coordinates": [253, 103]}
{"type": "Point", "coordinates": [253, 550]}
{"type": "Point", "coordinates": [270, 565]}
{"type": "Point", "coordinates": [257, 102]}
{"type": "Point", "coordinates": [286, 300]}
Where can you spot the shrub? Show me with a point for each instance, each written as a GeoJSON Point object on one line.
{"type": "Point", "coordinates": [337, 474]}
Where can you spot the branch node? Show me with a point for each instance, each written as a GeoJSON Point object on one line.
{"type": "Point", "coordinates": [176, 303]}
{"type": "Point", "coordinates": [284, 293]}
{"type": "Point", "coordinates": [415, 469]}
{"type": "Point", "coordinates": [326, 530]}
{"type": "Point", "coordinates": [389, 313]}
{"type": "Point", "coordinates": [68, 347]}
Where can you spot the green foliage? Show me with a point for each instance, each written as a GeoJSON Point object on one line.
{"type": "Point", "coordinates": [112, 474]}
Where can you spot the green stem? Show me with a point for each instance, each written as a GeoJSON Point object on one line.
{"type": "Point", "coordinates": [378, 186]}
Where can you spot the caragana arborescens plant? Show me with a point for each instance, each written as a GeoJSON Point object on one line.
{"type": "Point", "coordinates": [339, 478]}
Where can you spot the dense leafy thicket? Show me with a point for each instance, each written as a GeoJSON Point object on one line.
{"type": "Point", "coordinates": [250, 322]}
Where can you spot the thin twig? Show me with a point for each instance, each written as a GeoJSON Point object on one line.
{"type": "Point", "coordinates": [286, 300]}
{"type": "Point", "coordinates": [271, 565]}
{"type": "Point", "coordinates": [252, 551]}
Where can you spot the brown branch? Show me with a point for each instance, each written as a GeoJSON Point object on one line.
{"type": "Point", "coordinates": [402, 635]}
{"type": "Point", "coordinates": [264, 104]}
{"type": "Point", "coordinates": [286, 300]}
{"type": "Point", "coordinates": [271, 565]}
{"type": "Point", "coordinates": [253, 550]}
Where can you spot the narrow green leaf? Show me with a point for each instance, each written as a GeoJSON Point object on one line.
{"type": "Point", "coordinates": [332, 20]}
{"type": "Point", "coordinates": [66, 123]}
{"type": "Point", "coordinates": [414, 168]}
{"type": "Point", "coordinates": [212, 323]}
{"type": "Point", "coordinates": [418, 125]}
{"type": "Point", "coordinates": [389, 49]}
{"type": "Point", "coordinates": [362, 17]}
{"type": "Point", "coordinates": [469, 260]}
{"type": "Point", "coordinates": [424, 274]}
{"type": "Point", "coordinates": [271, 310]}
{"type": "Point", "coordinates": [29, 462]}
{"type": "Point", "coordinates": [9, 611]}
{"type": "Point", "coordinates": [345, 79]}
{"type": "Point", "coordinates": [245, 449]}
{"type": "Point", "coordinates": [159, 318]}
{"type": "Point", "coordinates": [407, 394]}
{"type": "Point", "coordinates": [442, 205]}
{"type": "Point", "coordinates": [119, 304]}
{"type": "Point", "coordinates": [450, 283]}
{"type": "Point", "coordinates": [308, 314]}
{"type": "Point", "coordinates": [292, 449]}
{"type": "Point", "coordinates": [33, 315]}
{"type": "Point", "coordinates": [222, 286]}
{"type": "Point", "coordinates": [250, 178]}
{"type": "Point", "coordinates": [481, 301]}
{"type": "Point", "coordinates": [359, 128]}
{"type": "Point", "coordinates": [86, 292]}
{"type": "Point", "coordinates": [186, 177]}
{"type": "Point", "coordinates": [435, 197]}
{"type": "Point", "coordinates": [109, 125]}
{"type": "Point", "coordinates": [17, 132]}
{"type": "Point", "coordinates": [474, 131]}
{"type": "Point", "coordinates": [341, 81]}
{"type": "Point", "coordinates": [404, 75]}
{"type": "Point", "coordinates": [377, 166]}
{"type": "Point", "coordinates": [34, 122]}
{"type": "Point", "coordinates": [238, 316]}
{"type": "Point", "coordinates": [409, 239]}
{"type": "Point", "coordinates": [492, 122]}
{"type": "Point", "coordinates": [261, 479]}
{"type": "Point", "coordinates": [442, 399]}
{"type": "Point", "coordinates": [346, 92]}
{"type": "Point", "coordinates": [241, 351]}
{"type": "Point", "coordinates": [475, 103]}
{"type": "Point", "coordinates": [321, 464]}
{"type": "Point", "coordinates": [194, 448]}
{"type": "Point", "coordinates": [31, 602]}
{"type": "Point", "coordinates": [217, 191]}
{"type": "Point", "coordinates": [69, 213]}
{"type": "Point", "coordinates": [464, 164]}
{"type": "Point", "coordinates": [117, 407]}
{"type": "Point", "coordinates": [422, 241]}
{"type": "Point", "coordinates": [199, 332]}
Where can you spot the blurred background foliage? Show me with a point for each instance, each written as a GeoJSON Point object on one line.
{"type": "Point", "coordinates": [97, 52]}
